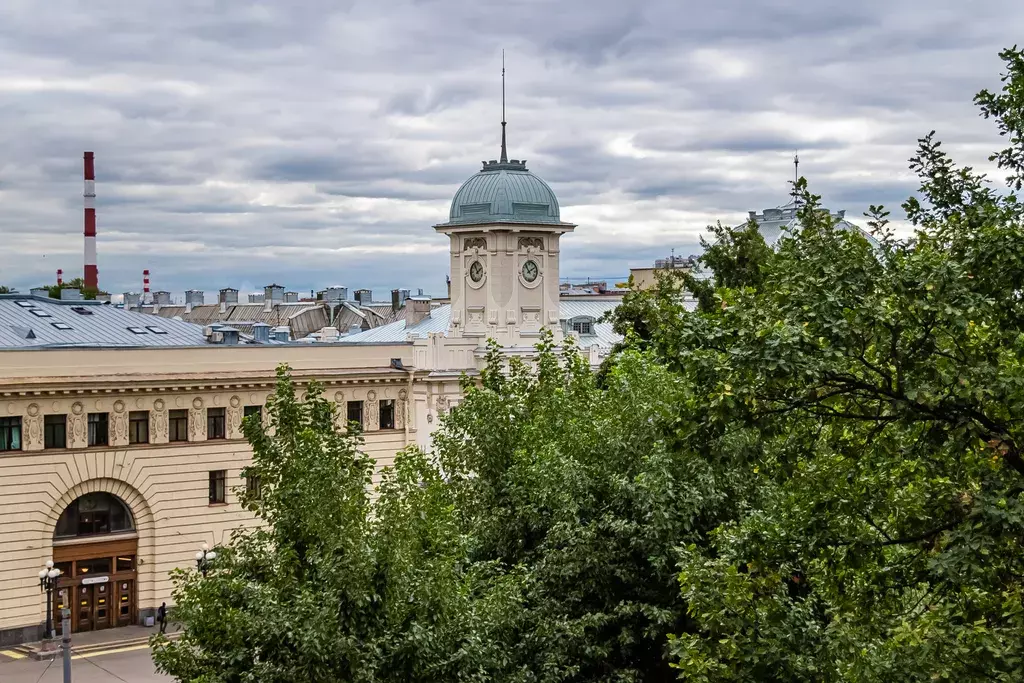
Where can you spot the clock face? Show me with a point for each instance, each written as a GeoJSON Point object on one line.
{"type": "Point", "coordinates": [476, 271]}
{"type": "Point", "coordinates": [530, 271]}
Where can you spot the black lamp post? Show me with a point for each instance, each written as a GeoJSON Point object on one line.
{"type": "Point", "coordinates": [204, 558]}
{"type": "Point", "coordinates": [48, 576]}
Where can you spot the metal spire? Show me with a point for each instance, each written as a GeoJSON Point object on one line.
{"type": "Point", "coordinates": [796, 178]}
{"type": "Point", "coordinates": [504, 150]}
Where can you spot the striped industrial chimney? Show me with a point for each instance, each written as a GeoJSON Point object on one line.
{"type": "Point", "coordinates": [92, 275]}
{"type": "Point", "coordinates": [146, 299]}
{"type": "Point", "coordinates": [60, 277]}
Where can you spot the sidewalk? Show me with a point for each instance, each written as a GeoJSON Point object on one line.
{"type": "Point", "coordinates": [109, 638]}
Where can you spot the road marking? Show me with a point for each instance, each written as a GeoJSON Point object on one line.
{"type": "Point", "coordinates": [100, 653]}
{"type": "Point", "coordinates": [12, 654]}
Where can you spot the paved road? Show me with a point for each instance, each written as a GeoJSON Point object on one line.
{"type": "Point", "coordinates": [130, 665]}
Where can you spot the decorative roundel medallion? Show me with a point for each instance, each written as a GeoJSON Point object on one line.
{"type": "Point", "coordinates": [158, 404]}
{"type": "Point", "coordinates": [33, 410]}
{"type": "Point", "coordinates": [235, 401]}
{"type": "Point", "coordinates": [119, 406]}
{"type": "Point", "coordinates": [139, 403]}
{"type": "Point", "coordinates": [371, 395]}
{"type": "Point", "coordinates": [530, 270]}
{"type": "Point", "coordinates": [339, 396]}
{"type": "Point", "coordinates": [216, 400]}
{"type": "Point", "coordinates": [77, 408]}
{"type": "Point", "coordinates": [402, 394]}
{"type": "Point", "coordinates": [476, 271]}
{"type": "Point", "coordinates": [55, 406]}
{"type": "Point", "coordinates": [197, 403]}
{"type": "Point", "coordinates": [254, 399]}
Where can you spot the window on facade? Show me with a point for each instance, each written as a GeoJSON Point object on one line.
{"type": "Point", "coordinates": [253, 410]}
{"type": "Point", "coordinates": [177, 425]}
{"type": "Point", "coordinates": [55, 431]}
{"type": "Point", "coordinates": [216, 424]}
{"type": "Point", "coordinates": [124, 563]}
{"type": "Point", "coordinates": [138, 426]}
{"type": "Point", "coordinates": [10, 433]}
{"type": "Point", "coordinates": [99, 431]}
{"type": "Point", "coordinates": [93, 567]}
{"type": "Point", "coordinates": [354, 412]}
{"type": "Point", "coordinates": [217, 478]}
{"type": "Point", "coordinates": [387, 414]}
{"type": "Point", "coordinates": [582, 327]}
{"type": "Point", "coordinates": [94, 513]}
{"type": "Point", "coordinates": [252, 485]}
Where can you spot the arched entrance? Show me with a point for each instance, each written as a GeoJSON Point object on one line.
{"type": "Point", "coordinates": [95, 546]}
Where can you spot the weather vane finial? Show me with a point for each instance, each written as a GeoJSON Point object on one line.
{"type": "Point", "coordinates": [796, 177]}
{"type": "Point", "coordinates": [504, 149]}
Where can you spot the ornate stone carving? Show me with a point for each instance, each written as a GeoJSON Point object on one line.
{"type": "Point", "coordinates": [401, 412]}
{"type": "Point", "coordinates": [76, 426]}
{"type": "Point", "coordinates": [196, 423]}
{"type": "Point", "coordinates": [531, 243]}
{"type": "Point", "coordinates": [235, 401]}
{"type": "Point", "coordinates": [234, 423]}
{"type": "Point", "coordinates": [32, 429]}
{"type": "Point", "coordinates": [119, 406]}
{"type": "Point", "coordinates": [475, 243]}
{"type": "Point", "coordinates": [158, 423]}
{"type": "Point", "coordinates": [371, 417]}
{"type": "Point", "coordinates": [442, 405]}
{"type": "Point", "coordinates": [120, 434]}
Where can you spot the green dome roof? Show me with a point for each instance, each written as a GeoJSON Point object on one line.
{"type": "Point", "coordinates": [504, 192]}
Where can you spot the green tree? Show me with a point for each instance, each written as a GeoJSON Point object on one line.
{"type": "Point", "coordinates": [882, 538]}
{"type": "Point", "coordinates": [4, 289]}
{"type": "Point", "coordinates": [77, 283]}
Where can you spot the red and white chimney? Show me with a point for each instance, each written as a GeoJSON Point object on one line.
{"type": "Point", "coordinates": [60, 277]}
{"type": "Point", "coordinates": [146, 298]}
{"type": "Point", "coordinates": [92, 276]}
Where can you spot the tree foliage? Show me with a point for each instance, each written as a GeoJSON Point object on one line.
{"type": "Point", "coordinates": [76, 283]}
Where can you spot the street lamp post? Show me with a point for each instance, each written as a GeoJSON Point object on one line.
{"type": "Point", "coordinates": [204, 558]}
{"type": "Point", "coordinates": [48, 576]}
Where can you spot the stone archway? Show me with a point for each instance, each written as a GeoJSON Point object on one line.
{"type": "Point", "coordinates": [144, 530]}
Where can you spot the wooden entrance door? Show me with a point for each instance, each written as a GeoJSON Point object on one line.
{"type": "Point", "coordinates": [83, 608]}
{"type": "Point", "coordinates": [94, 607]}
{"type": "Point", "coordinates": [125, 609]}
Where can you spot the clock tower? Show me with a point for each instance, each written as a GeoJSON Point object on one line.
{"type": "Point", "coordinates": [504, 228]}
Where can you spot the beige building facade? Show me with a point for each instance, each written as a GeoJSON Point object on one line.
{"type": "Point", "coordinates": [128, 460]}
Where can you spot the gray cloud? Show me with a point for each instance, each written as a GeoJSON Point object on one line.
{"type": "Point", "coordinates": [317, 142]}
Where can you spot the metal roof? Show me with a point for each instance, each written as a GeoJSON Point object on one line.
{"type": "Point", "coordinates": [39, 322]}
{"type": "Point", "coordinates": [504, 193]}
{"type": "Point", "coordinates": [604, 337]}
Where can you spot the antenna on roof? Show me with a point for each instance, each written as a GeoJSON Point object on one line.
{"type": "Point", "coordinates": [796, 179]}
{"type": "Point", "coordinates": [504, 150]}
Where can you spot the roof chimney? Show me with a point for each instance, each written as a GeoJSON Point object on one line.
{"type": "Point", "coordinates": [146, 297]}
{"type": "Point", "coordinates": [261, 333]}
{"type": "Point", "coordinates": [60, 277]}
{"type": "Point", "coordinates": [419, 310]}
{"type": "Point", "coordinates": [364, 297]}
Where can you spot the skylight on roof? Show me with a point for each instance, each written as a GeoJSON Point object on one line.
{"type": "Point", "coordinates": [136, 330]}
{"type": "Point", "coordinates": [38, 313]}
{"type": "Point", "coordinates": [81, 310]}
{"type": "Point", "coordinates": [156, 330]}
{"type": "Point", "coordinates": [25, 304]}
{"type": "Point", "coordinates": [62, 326]}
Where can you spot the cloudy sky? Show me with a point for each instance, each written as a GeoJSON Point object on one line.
{"type": "Point", "coordinates": [315, 142]}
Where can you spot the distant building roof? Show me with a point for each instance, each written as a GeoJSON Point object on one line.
{"type": "Point", "coordinates": [774, 224]}
{"type": "Point", "coordinates": [39, 322]}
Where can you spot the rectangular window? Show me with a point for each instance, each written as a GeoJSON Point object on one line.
{"type": "Point", "coordinates": [216, 424]}
{"type": "Point", "coordinates": [138, 426]}
{"type": "Point", "coordinates": [124, 563]}
{"type": "Point", "coordinates": [582, 327]}
{"type": "Point", "coordinates": [253, 410]}
{"type": "Point", "coordinates": [217, 478]}
{"type": "Point", "coordinates": [55, 431]}
{"type": "Point", "coordinates": [177, 425]}
{"type": "Point", "coordinates": [355, 412]}
{"type": "Point", "coordinates": [387, 414]}
{"type": "Point", "coordinates": [252, 485]}
{"type": "Point", "coordinates": [98, 429]}
{"type": "Point", "coordinates": [10, 433]}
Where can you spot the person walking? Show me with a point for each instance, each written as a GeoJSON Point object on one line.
{"type": "Point", "coordinates": [161, 616]}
